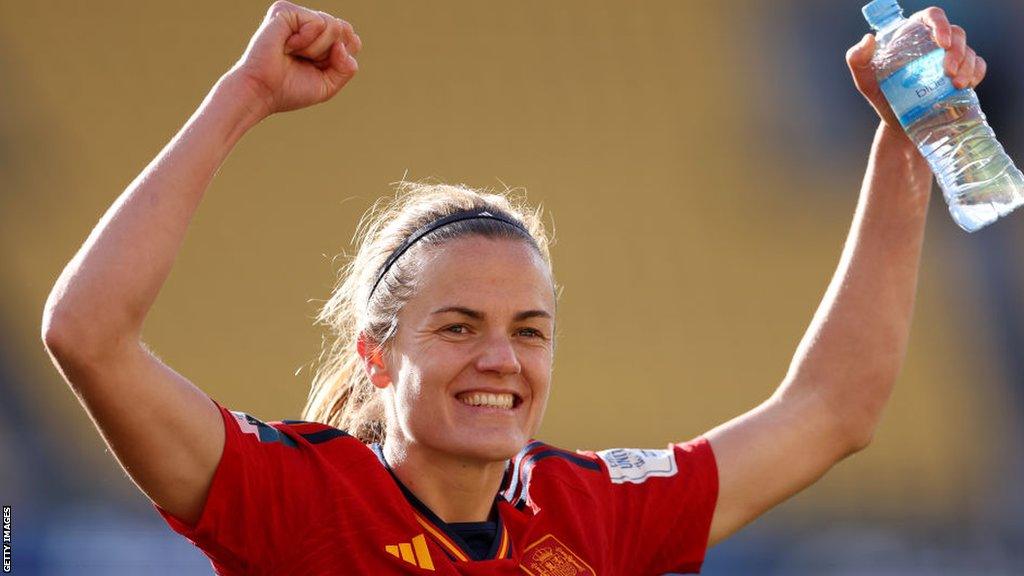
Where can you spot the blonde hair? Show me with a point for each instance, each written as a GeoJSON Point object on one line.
{"type": "Point", "coordinates": [341, 394]}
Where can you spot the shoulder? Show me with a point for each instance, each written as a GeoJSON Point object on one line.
{"type": "Point", "coordinates": [538, 459]}
{"type": "Point", "coordinates": [291, 433]}
{"type": "Point", "coordinates": [596, 473]}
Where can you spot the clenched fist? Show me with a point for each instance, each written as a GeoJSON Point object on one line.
{"type": "Point", "coordinates": [298, 57]}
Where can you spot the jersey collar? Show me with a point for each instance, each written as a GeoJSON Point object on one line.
{"type": "Point", "coordinates": [449, 541]}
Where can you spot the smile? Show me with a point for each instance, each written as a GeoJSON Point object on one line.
{"type": "Point", "coordinates": [504, 400]}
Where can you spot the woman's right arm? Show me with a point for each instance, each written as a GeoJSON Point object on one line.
{"type": "Point", "coordinates": [165, 431]}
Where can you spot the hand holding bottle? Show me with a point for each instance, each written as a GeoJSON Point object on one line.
{"type": "Point", "coordinates": [961, 63]}
{"type": "Point", "coordinates": [919, 75]}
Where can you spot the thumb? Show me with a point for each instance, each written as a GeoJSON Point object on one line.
{"type": "Point", "coordinates": [858, 58]}
{"type": "Point", "coordinates": [860, 53]}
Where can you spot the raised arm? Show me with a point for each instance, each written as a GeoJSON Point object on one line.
{"type": "Point", "coordinates": [845, 367]}
{"type": "Point", "coordinates": [93, 317]}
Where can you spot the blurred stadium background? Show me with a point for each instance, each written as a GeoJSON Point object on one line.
{"type": "Point", "coordinates": [700, 162]}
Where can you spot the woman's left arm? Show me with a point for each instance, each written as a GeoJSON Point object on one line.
{"type": "Point", "coordinates": [844, 368]}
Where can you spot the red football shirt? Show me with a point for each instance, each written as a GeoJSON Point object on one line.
{"type": "Point", "coordinates": [303, 498]}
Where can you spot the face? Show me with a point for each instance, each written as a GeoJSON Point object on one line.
{"type": "Point", "coordinates": [468, 371]}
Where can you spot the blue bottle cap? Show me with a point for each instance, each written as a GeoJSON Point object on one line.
{"type": "Point", "coordinates": [880, 12]}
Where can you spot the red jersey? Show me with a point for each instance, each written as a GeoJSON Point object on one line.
{"type": "Point", "coordinates": [302, 498]}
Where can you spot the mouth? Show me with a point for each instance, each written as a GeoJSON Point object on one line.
{"type": "Point", "coordinates": [495, 400]}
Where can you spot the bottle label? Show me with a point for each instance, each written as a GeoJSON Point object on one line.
{"type": "Point", "coordinates": [915, 88]}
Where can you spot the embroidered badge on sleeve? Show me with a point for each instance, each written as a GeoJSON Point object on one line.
{"type": "Point", "coordinates": [636, 466]}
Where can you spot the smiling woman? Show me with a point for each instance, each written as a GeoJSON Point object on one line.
{"type": "Point", "coordinates": [417, 451]}
{"type": "Point", "coordinates": [423, 269]}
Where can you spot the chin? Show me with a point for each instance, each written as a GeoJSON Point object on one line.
{"type": "Point", "coordinates": [489, 446]}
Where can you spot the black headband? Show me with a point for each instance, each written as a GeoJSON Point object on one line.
{"type": "Point", "coordinates": [439, 223]}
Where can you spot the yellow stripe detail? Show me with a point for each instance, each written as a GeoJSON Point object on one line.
{"type": "Point", "coordinates": [392, 549]}
{"type": "Point", "coordinates": [442, 539]}
{"type": "Point", "coordinates": [419, 544]}
{"type": "Point", "coordinates": [503, 549]}
{"type": "Point", "coordinates": [406, 549]}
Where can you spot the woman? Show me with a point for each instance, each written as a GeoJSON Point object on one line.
{"type": "Point", "coordinates": [422, 460]}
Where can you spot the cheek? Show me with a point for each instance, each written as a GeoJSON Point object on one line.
{"type": "Point", "coordinates": [424, 381]}
{"type": "Point", "coordinates": [537, 367]}
{"type": "Point", "coordinates": [406, 389]}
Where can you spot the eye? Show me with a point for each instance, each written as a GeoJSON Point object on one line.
{"type": "Point", "coordinates": [532, 332]}
{"type": "Point", "coordinates": [456, 329]}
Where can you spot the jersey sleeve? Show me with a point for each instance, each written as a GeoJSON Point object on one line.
{"type": "Point", "coordinates": [254, 502]}
{"type": "Point", "coordinates": [660, 505]}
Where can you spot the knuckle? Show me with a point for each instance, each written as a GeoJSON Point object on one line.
{"type": "Point", "coordinates": [279, 6]}
{"type": "Point", "coordinates": [330, 23]}
{"type": "Point", "coordinates": [336, 30]}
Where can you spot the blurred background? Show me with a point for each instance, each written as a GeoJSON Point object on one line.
{"type": "Point", "coordinates": [699, 161]}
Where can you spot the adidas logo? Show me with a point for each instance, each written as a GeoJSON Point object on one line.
{"type": "Point", "coordinates": [414, 553]}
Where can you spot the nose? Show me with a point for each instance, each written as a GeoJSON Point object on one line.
{"type": "Point", "coordinates": [498, 355]}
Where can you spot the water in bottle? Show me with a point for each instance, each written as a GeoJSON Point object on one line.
{"type": "Point", "coordinates": [978, 180]}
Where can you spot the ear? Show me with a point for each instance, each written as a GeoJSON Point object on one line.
{"type": "Point", "coordinates": [373, 361]}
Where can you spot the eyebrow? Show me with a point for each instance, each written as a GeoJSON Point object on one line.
{"type": "Point", "coordinates": [477, 315]}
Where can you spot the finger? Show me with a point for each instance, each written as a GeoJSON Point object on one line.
{"type": "Point", "coordinates": [936, 19]}
{"type": "Point", "coordinates": [305, 27]}
{"type": "Point", "coordinates": [352, 41]}
{"type": "Point", "coordinates": [343, 66]}
{"type": "Point", "coordinates": [965, 74]}
{"type": "Point", "coordinates": [980, 68]}
{"type": "Point", "coordinates": [955, 55]}
{"type": "Point", "coordinates": [320, 48]}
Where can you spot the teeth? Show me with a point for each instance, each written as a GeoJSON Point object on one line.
{"type": "Point", "coordinates": [485, 399]}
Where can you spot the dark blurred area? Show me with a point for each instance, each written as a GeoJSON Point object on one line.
{"type": "Point", "coordinates": [700, 162]}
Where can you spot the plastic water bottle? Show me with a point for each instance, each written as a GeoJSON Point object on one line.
{"type": "Point", "coordinates": [978, 180]}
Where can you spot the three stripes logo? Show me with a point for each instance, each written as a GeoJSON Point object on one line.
{"type": "Point", "coordinates": [414, 552]}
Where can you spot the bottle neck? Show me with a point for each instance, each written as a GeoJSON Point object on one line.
{"type": "Point", "coordinates": [888, 27]}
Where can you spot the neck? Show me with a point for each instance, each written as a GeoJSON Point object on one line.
{"type": "Point", "coordinates": [456, 489]}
